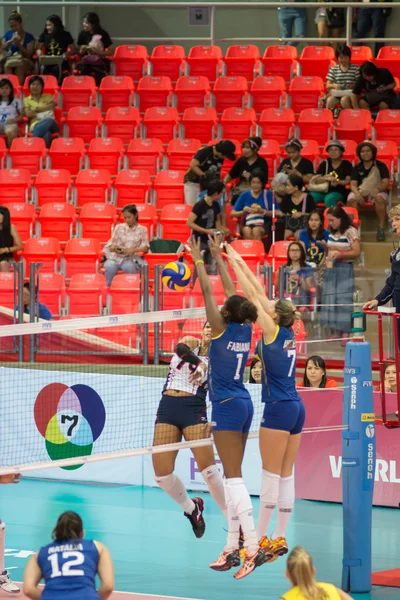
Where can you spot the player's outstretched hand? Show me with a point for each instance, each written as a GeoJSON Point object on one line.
{"type": "Point", "coordinates": [215, 246]}
{"type": "Point", "coordinates": [195, 251]}
{"type": "Point", "coordinates": [233, 255]}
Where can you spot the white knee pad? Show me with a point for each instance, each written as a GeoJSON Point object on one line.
{"type": "Point", "coordinates": [270, 486]}
{"type": "Point", "coordinates": [165, 482]}
{"type": "Point", "coordinates": [286, 493]}
{"type": "Point", "coordinates": [239, 495]}
{"type": "Point", "coordinates": [212, 476]}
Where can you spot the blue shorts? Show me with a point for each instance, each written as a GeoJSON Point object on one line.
{"type": "Point", "coordinates": [285, 415]}
{"type": "Point", "coordinates": [234, 414]}
{"type": "Point", "coordinates": [181, 411]}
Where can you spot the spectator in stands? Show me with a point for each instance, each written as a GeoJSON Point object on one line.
{"type": "Point", "coordinates": [315, 374]}
{"type": "Point", "coordinates": [292, 22]}
{"type": "Point", "coordinates": [295, 206]}
{"type": "Point", "coordinates": [18, 48]}
{"type": "Point", "coordinates": [334, 175]}
{"type": "Point", "coordinates": [40, 310]}
{"type": "Point", "coordinates": [330, 20]}
{"type": "Point", "coordinates": [255, 207]}
{"type": "Point", "coordinates": [370, 181]}
{"type": "Point", "coordinates": [341, 80]}
{"type": "Point", "coordinates": [129, 240]}
{"type": "Point", "coordinates": [10, 112]}
{"type": "Point", "coordinates": [295, 164]}
{"type": "Point", "coordinates": [338, 289]}
{"type": "Point", "coordinates": [390, 377]}
{"type": "Point", "coordinates": [372, 18]}
{"type": "Point", "coordinates": [374, 88]}
{"type": "Point", "coordinates": [39, 108]}
{"type": "Point", "coordinates": [298, 276]}
{"type": "Point", "coordinates": [10, 241]}
{"type": "Point", "coordinates": [314, 238]}
{"type": "Point", "coordinates": [94, 46]}
{"type": "Point", "coordinates": [208, 159]}
{"type": "Point", "coordinates": [245, 166]}
{"type": "Point", "coordinates": [255, 370]}
{"type": "Point", "coordinates": [55, 41]}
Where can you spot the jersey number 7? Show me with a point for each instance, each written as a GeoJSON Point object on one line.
{"type": "Point", "coordinates": [292, 355]}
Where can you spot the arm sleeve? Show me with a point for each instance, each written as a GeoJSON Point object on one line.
{"type": "Point", "coordinates": [81, 39]}
{"type": "Point", "coordinates": [331, 75]}
{"type": "Point", "coordinates": [283, 163]}
{"type": "Point", "coordinates": [322, 168]}
{"type": "Point", "coordinates": [185, 354]}
{"type": "Point", "coordinates": [308, 167]}
{"type": "Point", "coordinates": [236, 170]}
{"type": "Point", "coordinates": [358, 86]}
{"type": "Point", "coordinates": [44, 312]}
{"type": "Point", "coordinates": [310, 204]}
{"type": "Point", "coordinates": [105, 38]}
{"type": "Point", "coordinates": [383, 170]}
{"type": "Point", "coordinates": [387, 291]}
{"type": "Point", "coordinates": [197, 209]}
{"type": "Point", "coordinates": [354, 174]}
{"type": "Point", "coordinates": [388, 77]}
{"type": "Point", "coordinates": [240, 202]}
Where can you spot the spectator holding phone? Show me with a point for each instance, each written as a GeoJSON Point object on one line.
{"type": "Point", "coordinates": [296, 164]}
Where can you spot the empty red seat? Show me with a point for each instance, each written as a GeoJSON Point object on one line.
{"type": "Point", "coordinates": [15, 185]}
{"type": "Point", "coordinates": [51, 291]}
{"type": "Point", "coordinates": [45, 250]}
{"type": "Point", "coordinates": [116, 91]}
{"type": "Point", "coordinates": [81, 255]}
{"type": "Point", "coordinates": [238, 123]}
{"type": "Point", "coordinates": [200, 123]}
{"type": "Point", "coordinates": [85, 122]}
{"type": "Point", "coordinates": [280, 60]}
{"type": "Point", "coordinates": [180, 152]}
{"type": "Point", "coordinates": [92, 185]}
{"type": "Point", "coordinates": [147, 215]}
{"type": "Point", "coordinates": [123, 123]}
{"type": "Point", "coordinates": [158, 258]}
{"type": "Point", "coordinates": [173, 221]}
{"type": "Point", "coordinates": [205, 61]}
{"type": "Point", "coordinates": [23, 216]}
{"type": "Point", "coordinates": [146, 154]}
{"type": "Point", "coordinates": [217, 288]}
{"type": "Point", "coordinates": [387, 153]}
{"type": "Point", "coordinates": [154, 91]}
{"type": "Point", "coordinates": [361, 54]}
{"type": "Point", "coordinates": [389, 58]}
{"type": "Point", "coordinates": [131, 60]}
{"type": "Point", "coordinates": [78, 91]}
{"type": "Point", "coordinates": [277, 124]}
{"type": "Point", "coordinates": [57, 219]}
{"type": "Point", "coordinates": [161, 123]}
{"type": "Point", "coordinates": [316, 124]}
{"type": "Point", "coordinates": [97, 220]}
{"type": "Point", "coordinates": [28, 153]}
{"type": "Point", "coordinates": [14, 80]}
{"type": "Point", "coordinates": [192, 91]}
{"type": "Point", "coordinates": [354, 124]}
{"type": "Point", "coordinates": [230, 92]}
{"type": "Point", "coordinates": [271, 151]}
{"type": "Point", "coordinates": [387, 125]}
{"type": "Point", "coordinates": [168, 60]}
{"type": "Point", "coordinates": [168, 187]}
{"type": "Point", "coordinates": [268, 92]}
{"type": "Point", "coordinates": [67, 153]}
{"type": "Point", "coordinates": [86, 294]}
{"type": "Point", "coordinates": [3, 153]}
{"type": "Point", "coordinates": [277, 255]}
{"type": "Point", "coordinates": [349, 150]}
{"type": "Point", "coordinates": [242, 59]}
{"type": "Point", "coordinates": [132, 185]}
{"type": "Point", "coordinates": [306, 92]}
{"type": "Point", "coordinates": [316, 60]}
{"type": "Point", "coordinates": [7, 283]}
{"type": "Point", "coordinates": [125, 294]}
{"type": "Point", "coordinates": [53, 185]}
{"type": "Point", "coordinates": [106, 153]}
{"type": "Point", "coordinates": [50, 85]}
{"type": "Point", "coordinates": [253, 252]}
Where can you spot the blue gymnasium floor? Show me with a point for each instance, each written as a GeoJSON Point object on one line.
{"type": "Point", "coordinates": [154, 549]}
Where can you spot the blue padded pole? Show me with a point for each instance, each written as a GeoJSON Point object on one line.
{"type": "Point", "coordinates": [358, 467]}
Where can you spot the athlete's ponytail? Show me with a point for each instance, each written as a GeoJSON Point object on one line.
{"type": "Point", "coordinates": [69, 527]}
{"type": "Point", "coordinates": [238, 309]}
{"type": "Point", "coordinates": [301, 572]}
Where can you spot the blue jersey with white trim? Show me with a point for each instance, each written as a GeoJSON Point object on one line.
{"type": "Point", "coordinates": [279, 366]}
{"type": "Point", "coordinates": [228, 355]}
{"type": "Point", "coordinates": [69, 570]}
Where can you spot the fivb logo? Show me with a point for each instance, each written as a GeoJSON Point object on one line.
{"type": "Point", "coordinates": [385, 471]}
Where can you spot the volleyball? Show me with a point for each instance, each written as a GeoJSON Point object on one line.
{"type": "Point", "coordinates": [176, 276]}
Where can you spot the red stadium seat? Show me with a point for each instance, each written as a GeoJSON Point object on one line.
{"type": "Point", "coordinates": [92, 185]}
{"type": "Point", "coordinates": [268, 92]}
{"type": "Point", "coordinates": [44, 250]}
{"type": "Point", "coordinates": [316, 124]}
{"type": "Point", "coordinates": [131, 186]}
{"type": "Point", "coordinates": [86, 294]}
{"type": "Point", "coordinates": [106, 153]}
{"type": "Point", "coordinates": [173, 221]}
{"type": "Point", "coordinates": [97, 220]}
{"type": "Point", "coordinates": [168, 187]}
{"type": "Point", "coordinates": [271, 151]}
{"type": "Point", "coordinates": [277, 124]}
{"type": "Point", "coordinates": [123, 123]}
{"type": "Point", "coordinates": [168, 60]}
{"type": "Point", "coordinates": [161, 123]}
{"type": "Point", "coordinates": [78, 91]}
{"type": "Point", "coordinates": [306, 92]}
{"type": "Point", "coordinates": [281, 61]}
{"type": "Point", "coordinates": [387, 153]}
{"type": "Point", "coordinates": [230, 92]}
{"type": "Point", "coordinates": [23, 216]}
{"type": "Point", "coordinates": [53, 185]}
{"type": "Point", "coordinates": [125, 294]}
{"type": "Point", "coordinates": [217, 288]}
{"type": "Point", "coordinates": [353, 212]}
{"type": "Point", "coordinates": [354, 124]}
{"type": "Point", "coordinates": [28, 153]}
{"type": "Point", "coordinates": [180, 152]}
{"type": "Point", "coordinates": [316, 60]}
{"type": "Point", "coordinates": [131, 61]}
{"type": "Point", "coordinates": [278, 254]}
{"type": "Point", "coordinates": [158, 258]}
{"type": "Point", "coordinates": [238, 123]}
{"type": "Point", "coordinates": [51, 292]}
{"type": "Point", "coordinates": [7, 283]}
{"type": "Point", "coordinates": [253, 252]}
{"type": "Point", "coordinates": [147, 214]}
{"type": "Point", "coordinates": [3, 153]}
{"type": "Point", "coordinates": [200, 123]}
{"type": "Point", "coordinates": [15, 185]}
{"type": "Point", "coordinates": [116, 91]}
{"type": "Point", "coordinates": [154, 91]}
{"type": "Point", "coordinates": [244, 60]}
{"type": "Point", "coordinates": [387, 125]}
{"type": "Point", "coordinates": [50, 85]}
{"type": "Point", "coordinates": [192, 91]}
{"type": "Point", "coordinates": [58, 220]}
{"type": "Point", "coordinates": [81, 255]}
{"type": "Point", "coordinates": [67, 153]}
{"type": "Point", "coordinates": [205, 61]}
{"type": "Point", "coordinates": [349, 150]}
{"type": "Point", "coordinates": [145, 153]}
{"type": "Point", "coordinates": [171, 300]}
{"type": "Point", "coordinates": [14, 80]}
{"type": "Point", "coordinates": [389, 58]}
{"type": "Point", "coordinates": [85, 122]}
{"type": "Point", "coordinates": [360, 55]}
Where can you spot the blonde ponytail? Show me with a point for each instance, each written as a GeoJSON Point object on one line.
{"type": "Point", "coordinates": [301, 571]}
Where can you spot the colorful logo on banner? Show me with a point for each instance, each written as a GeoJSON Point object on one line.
{"type": "Point", "coordinates": [70, 419]}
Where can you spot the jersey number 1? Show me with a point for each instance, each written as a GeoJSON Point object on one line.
{"type": "Point", "coordinates": [67, 570]}
{"type": "Point", "coordinates": [239, 358]}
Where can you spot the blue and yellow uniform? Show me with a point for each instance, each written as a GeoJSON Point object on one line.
{"type": "Point", "coordinates": [69, 570]}
{"type": "Point", "coordinates": [329, 589]}
{"type": "Point", "coordinates": [284, 408]}
{"type": "Point", "coordinates": [232, 408]}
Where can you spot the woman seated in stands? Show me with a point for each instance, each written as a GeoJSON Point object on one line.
{"type": "Point", "coordinates": [255, 370]}
{"type": "Point", "coordinates": [55, 41]}
{"type": "Point", "coordinates": [340, 80]}
{"type": "Point", "coordinates": [334, 174]}
{"type": "Point", "coordinates": [245, 166]}
{"type": "Point", "coordinates": [18, 48]}
{"type": "Point", "coordinates": [10, 241]}
{"type": "Point", "coordinates": [10, 112]}
{"type": "Point", "coordinates": [298, 276]}
{"type": "Point", "coordinates": [39, 108]}
{"type": "Point", "coordinates": [296, 164]}
{"type": "Point", "coordinates": [94, 46]}
{"type": "Point", "coordinates": [296, 205]}
{"type": "Point", "coordinates": [315, 374]}
{"type": "Point", "coordinates": [314, 238]}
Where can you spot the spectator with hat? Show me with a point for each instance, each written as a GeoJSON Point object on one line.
{"type": "Point", "coordinates": [333, 175]}
{"type": "Point", "coordinates": [245, 166]}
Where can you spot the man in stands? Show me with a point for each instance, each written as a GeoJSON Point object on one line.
{"type": "Point", "coordinates": [40, 310]}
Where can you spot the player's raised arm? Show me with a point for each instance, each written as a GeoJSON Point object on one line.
{"type": "Point", "coordinates": [215, 249]}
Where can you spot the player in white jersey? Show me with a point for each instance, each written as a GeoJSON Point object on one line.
{"type": "Point", "coordinates": [5, 582]}
{"type": "Point", "coordinates": [182, 412]}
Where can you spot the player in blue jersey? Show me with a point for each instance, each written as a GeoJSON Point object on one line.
{"type": "Point", "coordinates": [284, 413]}
{"type": "Point", "coordinates": [69, 565]}
{"type": "Point", "coordinates": [232, 408]}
